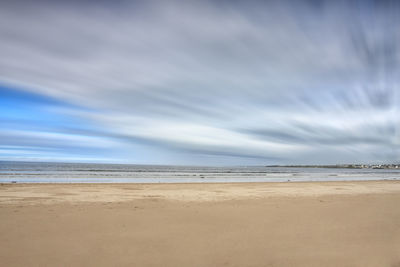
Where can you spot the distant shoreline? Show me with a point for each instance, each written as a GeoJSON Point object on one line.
{"type": "Point", "coordinates": [341, 166]}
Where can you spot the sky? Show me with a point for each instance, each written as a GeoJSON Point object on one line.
{"type": "Point", "coordinates": [200, 82]}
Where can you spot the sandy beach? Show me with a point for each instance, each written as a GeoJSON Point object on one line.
{"type": "Point", "coordinates": [259, 224]}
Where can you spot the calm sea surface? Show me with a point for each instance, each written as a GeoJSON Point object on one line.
{"type": "Point", "coordinates": [24, 172]}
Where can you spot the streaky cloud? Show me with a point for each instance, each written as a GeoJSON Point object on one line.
{"type": "Point", "coordinates": [203, 82]}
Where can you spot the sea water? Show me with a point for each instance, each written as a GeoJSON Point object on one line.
{"type": "Point", "coordinates": [33, 172]}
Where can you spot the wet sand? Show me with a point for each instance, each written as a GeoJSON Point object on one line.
{"type": "Point", "coordinates": [265, 224]}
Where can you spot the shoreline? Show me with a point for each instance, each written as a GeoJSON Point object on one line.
{"type": "Point", "coordinates": [125, 192]}
{"type": "Point", "coordinates": [272, 183]}
{"type": "Point", "coordinates": [291, 179]}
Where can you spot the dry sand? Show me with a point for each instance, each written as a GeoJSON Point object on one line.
{"type": "Point", "coordinates": [268, 224]}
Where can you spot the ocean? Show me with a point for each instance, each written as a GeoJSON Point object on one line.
{"type": "Point", "coordinates": [34, 172]}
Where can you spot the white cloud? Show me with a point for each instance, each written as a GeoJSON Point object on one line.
{"type": "Point", "coordinates": [202, 77]}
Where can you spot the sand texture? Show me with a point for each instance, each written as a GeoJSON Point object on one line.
{"type": "Point", "coordinates": [265, 224]}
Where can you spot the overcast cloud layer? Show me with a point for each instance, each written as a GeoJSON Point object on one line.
{"type": "Point", "coordinates": [200, 82]}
